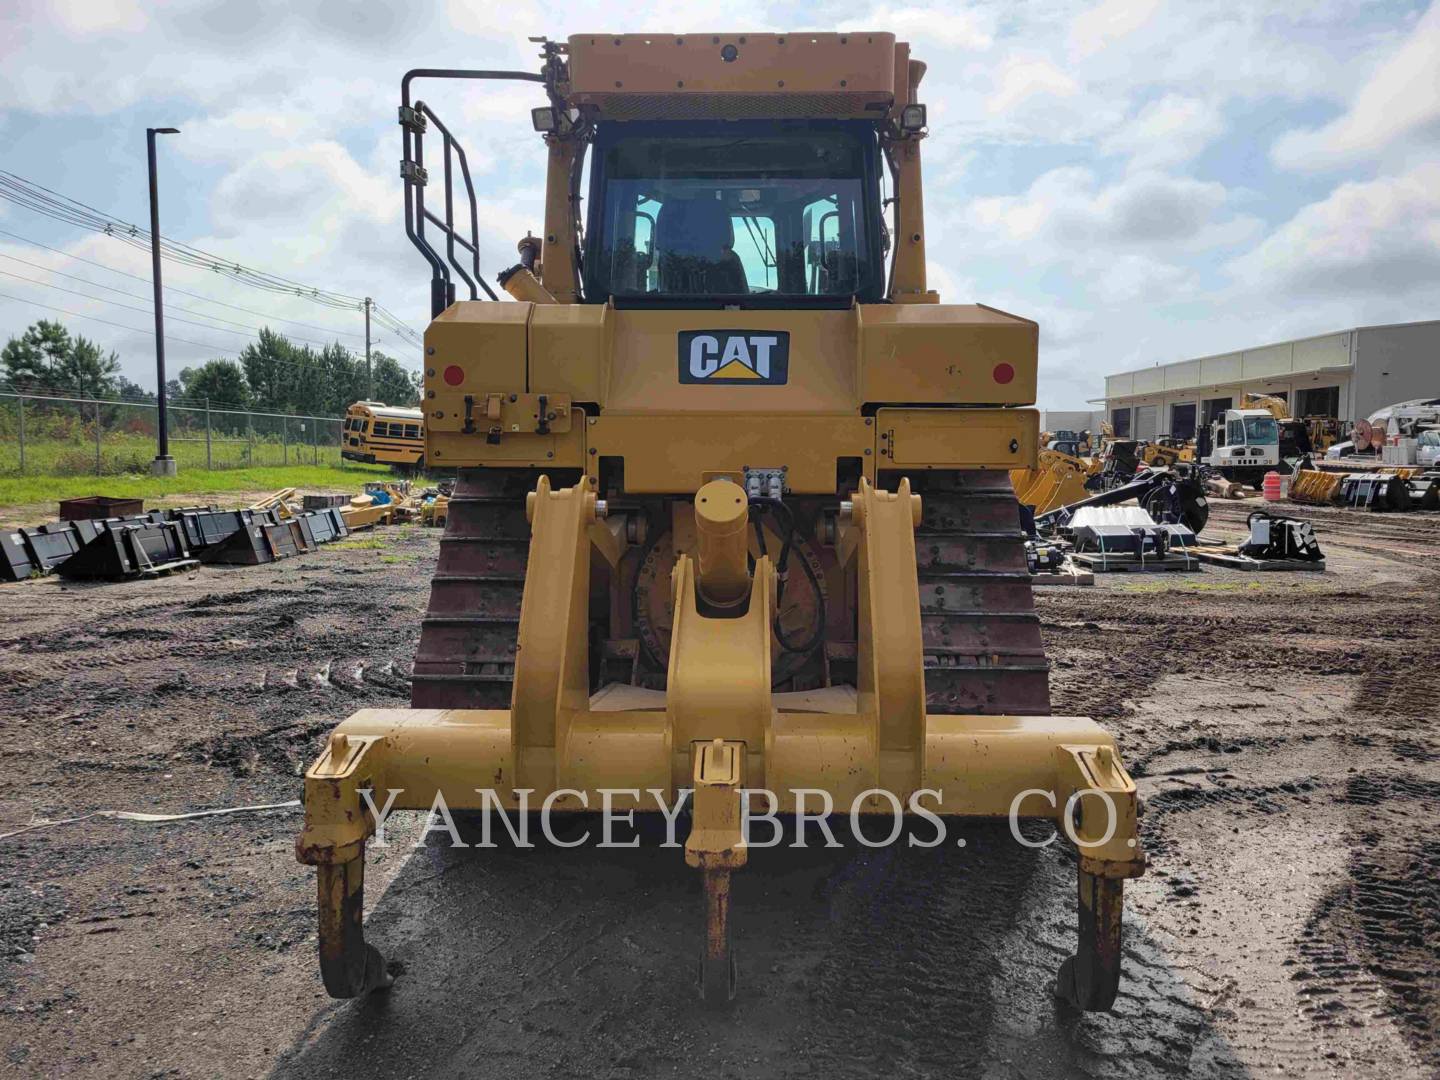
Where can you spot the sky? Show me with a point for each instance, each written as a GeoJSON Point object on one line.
{"type": "Point", "coordinates": [1148, 181]}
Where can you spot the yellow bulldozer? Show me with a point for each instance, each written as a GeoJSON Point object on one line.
{"type": "Point", "coordinates": [733, 512]}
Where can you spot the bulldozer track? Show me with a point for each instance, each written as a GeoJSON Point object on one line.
{"type": "Point", "coordinates": [979, 627]}
{"type": "Point", "coordinates": [981, 634]}
{"type": "Point", "coordinates": [466, 657]}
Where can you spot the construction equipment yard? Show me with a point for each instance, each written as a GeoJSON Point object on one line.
{"type": "Point", "coordinates": [736, 673]}
{"type": "Point", "coordinates": [1279, 727]}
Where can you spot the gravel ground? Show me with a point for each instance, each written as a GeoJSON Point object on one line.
{"type": "Point", "coordinates": [1280, 726]}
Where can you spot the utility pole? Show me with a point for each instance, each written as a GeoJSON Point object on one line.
{"type": "Point", "coordinates": [369, 379]}
{"type": "Point", "coordinates": [164, 464]}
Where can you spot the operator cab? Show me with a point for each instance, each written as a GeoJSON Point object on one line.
{"type": "Point", "coordinates": [1248, 428]}
{"type": "Point", "coordinates": [744, 214]}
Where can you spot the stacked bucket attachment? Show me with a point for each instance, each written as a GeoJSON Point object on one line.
{"type": "Point", "coordinates": [130, 550]}
{"type": "Point", "coordinates": [1375, 491]}
{"type": "Point", "coordinates": [951, 700]}
{"type": "Point", "coordinates": [48, 548]}
{"type": "Point", "coordinates": [252, 537]}
{"type": "Point", "coordinates": [17, 561]}
{"type": "Point", "coordinates": [38, 551]}
{"type": "Point", "coordinates": [162, 541]}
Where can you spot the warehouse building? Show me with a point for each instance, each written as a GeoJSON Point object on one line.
{"type": "Point", "coordinates": [1070, 420]}
{"type": "Point", "coordinates": [1345, 375]}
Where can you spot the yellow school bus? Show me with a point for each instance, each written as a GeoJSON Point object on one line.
{"type": "Point", "coordinates": [376, 433]}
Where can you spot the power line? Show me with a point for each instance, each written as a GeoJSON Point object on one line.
{"type": "Point", "coordinates": [107, 322]}
{"type": "Point", "coordinates": [309, 369]}
{"type": "Point", "coordinates": [173, 288]}
{"type": "Point", "coordinates": [42, 200]}
{"type": "Point", "coordinates": [138, 296]}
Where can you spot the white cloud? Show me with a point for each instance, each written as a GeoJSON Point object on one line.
{"type": "Point", "coordinates": [1378, 238]}
{"type": "Point", "coordinates": [1399, 103]}
{"type": "Point", "coordinates": [242, 132]}
{"type": "Point", "coordinates": [1023, 79]}
{"type": "Point", "coordinates": [318, 187]}
{"type": "Point", "coordinates": [1066, 212]}
{"type": "Point", "coordinates": [1166, 132]}
{"type": "Point", "coordinates": [91, 17]}
{"type": "Point", "coordinates": [1096, 28]}
{"type": "Point", "coordinates": [926, 27]}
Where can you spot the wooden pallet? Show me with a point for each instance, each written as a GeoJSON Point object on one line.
{"type": "Point", "coordinates": [1235, 561]}
{"type": "Point", "coordinates": [1109, 564]}
{"type": "Point", "coordinates": [1068, 574]}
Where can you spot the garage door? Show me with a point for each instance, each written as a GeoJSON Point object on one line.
{"type": "Point", "coordinates": [1147, 417]}
{"type": "Point", "coordinates": [1182, 421]}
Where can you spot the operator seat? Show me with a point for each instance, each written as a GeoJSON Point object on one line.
{"type": "Point", "coordinates": [695, 241]}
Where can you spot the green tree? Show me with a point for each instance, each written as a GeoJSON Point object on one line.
{"type": "Point", "coordinates": [86, 370]}
{"type": "Point", "coordinates": [344, 378]}
{"type": "Point", "coordinates": [221, 382]}
{"type": "Point", "coordinates": [306, 389]}
{"type": "Point", "coordinates": [393, 384]}
{"type": "Point", "coordinates": [270, 364]}
{"type": "Point", "coordinates": [31, 360]}
{"type": "Point", "coordinates": [131, 391]}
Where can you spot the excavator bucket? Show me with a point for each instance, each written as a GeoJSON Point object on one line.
{"type": "Point", "coordinates": [130, 549]}
{"type": "Point", "coordinates": [733, 514]}
{"type": "Point", "coordinates": [1057, 480]}
{"type": "Point", "coordinates": [1315, 487]}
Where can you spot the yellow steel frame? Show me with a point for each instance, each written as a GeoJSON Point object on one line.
{"type": "Point", "coordinates": [554, 746]}
{"type": "Point", "coordinates": [719, 687]}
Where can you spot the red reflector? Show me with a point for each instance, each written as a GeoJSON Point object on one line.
{"type": "Point", "coordinates": [1003, 373]}
{"type": "Point", "coordinates": [455, 375]}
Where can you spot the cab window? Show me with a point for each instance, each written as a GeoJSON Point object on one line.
{"type": "Point", "coordinates": [734, 210]}
{"type": "Point", "coordinates": [1261, 430]}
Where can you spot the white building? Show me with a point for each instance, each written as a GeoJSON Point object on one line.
{"type": "Point", "coordinates": [1071, 420]}
{"type": "Point", "coordinates": [1345, 375]}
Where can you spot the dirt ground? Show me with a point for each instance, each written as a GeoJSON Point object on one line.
{"type": "Point", "coordinates": [1281, 727]}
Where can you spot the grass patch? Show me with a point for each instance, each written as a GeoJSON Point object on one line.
{"type": "Point", "coordinates": [20, 490]}
{"type": "Point", "coordinates": [391, 559]}
{"type": "Point", "coordinates": [368, 543]}
{"type": "Point", "coordinates": [1209, 586]}
{"type": "Point", "coordinates": [61, 443]}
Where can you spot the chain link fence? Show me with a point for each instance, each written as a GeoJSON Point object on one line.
{"type": "Point", "coordinates": [70, 436]}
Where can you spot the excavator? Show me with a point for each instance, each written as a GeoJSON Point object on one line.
{"type": "Point", "coordinates": [733, 511]}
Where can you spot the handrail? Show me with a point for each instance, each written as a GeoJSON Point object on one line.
{"type": "Point", "coordinates": [414, 119]}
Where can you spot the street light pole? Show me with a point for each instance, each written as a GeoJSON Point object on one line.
{"type": "Point", "coordinates": [164, 464]}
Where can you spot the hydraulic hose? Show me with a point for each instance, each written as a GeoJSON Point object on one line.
{"type": "Point", "coordinates": [782, 568]}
